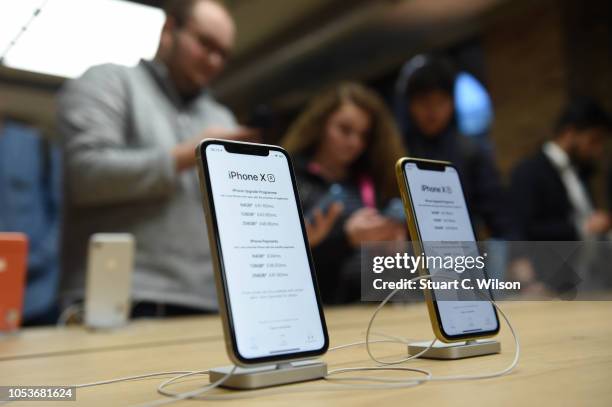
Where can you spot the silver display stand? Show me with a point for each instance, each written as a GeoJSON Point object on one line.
{"type": "Point", "coordinates": [456, 350]}
{"type": "Point", "coordinates": [269, 375]}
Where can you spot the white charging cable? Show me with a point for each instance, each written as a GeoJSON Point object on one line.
{"type": "Point", "coordinates": [185, 373]}
{"type": "Point", "coordinates": [384, 365]}
{"type": "Point", "coordinates": [121, 379]}
{"type": "Point", "coordinates": [359, 343]}
{"type": "Point", "coordinates": [387, 384]}
{"type": "Point", "coordinates": [174, 397]}
{"type": "Point", "coordinates": [503, 372]}
{"type": "Point", "coordinates": [508, 369]}
{"type": "Point", "coordinates": [383, 383]}
{"type": "Point", "coordinates": [129, 378]}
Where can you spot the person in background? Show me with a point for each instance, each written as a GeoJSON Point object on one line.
{"type": "Point", "coordinates": [129, 136]}
{"type": "Point", "coordinates": [345, 145]}
{"type": "Point", "coordinates": [425, 111]}
{"type": "Point", "coordinates": [30, 188]}
{"type": "Point", "coordinates": [550, 190]}
{"type": "Point", "coordinates": [553, 202]}
{"type": "Point", "coordinates": [610, 188]}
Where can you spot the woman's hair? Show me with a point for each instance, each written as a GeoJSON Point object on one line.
{"type": "Point", "coordinates": [384, 145]}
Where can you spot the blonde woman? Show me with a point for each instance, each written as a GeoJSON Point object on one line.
{"type": "Point", "coordinates": [345, 145]}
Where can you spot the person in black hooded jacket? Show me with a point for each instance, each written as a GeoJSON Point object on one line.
{"type": "Point", "coordinates": [425, 110]}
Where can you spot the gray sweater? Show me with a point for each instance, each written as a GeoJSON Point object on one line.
{"type": "Point", "coordinates": [118, 125]}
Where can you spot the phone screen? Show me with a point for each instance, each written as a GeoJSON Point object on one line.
{"type": "Point", "coordinates": [269, 278]}
{"type": "Point", "coordinates": [444, 226]}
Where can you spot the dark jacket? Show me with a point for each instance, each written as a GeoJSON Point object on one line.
{"type": "Point", "coordinates": [540, 201]}
{"type": "Point", "coordinates": [544, 214]}
{"type": "Point", "coordinates": [484, 192]}
{"type": "Point", "coordinates": [610, 189]}
{"type": "Point", "coordinates": [336, 261]}
{"type": "Point", "coordinates": [481, 182]}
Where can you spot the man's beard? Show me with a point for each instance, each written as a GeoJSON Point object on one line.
{"type": "Point", "coordinates": [585, 168]}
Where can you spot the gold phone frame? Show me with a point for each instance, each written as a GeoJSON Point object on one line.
{"type": "Point", "coordinates": [415, 237]}
{"type": "Point", "coordinates": [231, 345]}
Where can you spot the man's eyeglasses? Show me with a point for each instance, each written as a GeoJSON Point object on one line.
{"type": "Point", "coordinates": [209, 44]}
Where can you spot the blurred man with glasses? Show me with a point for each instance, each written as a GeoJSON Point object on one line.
{"type": "Point", "coordinates": [129, 136]}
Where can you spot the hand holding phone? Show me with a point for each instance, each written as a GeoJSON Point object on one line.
{"type": "Point", "coordinates": [369, 225]}
{"type": "Point", "coordinates": [395, 211]}
{"type": "Point", "coordinates": [335, 194]}
{"type": "Point", "coordinates": [321, 223]}
{"type": "Point", "coordinates": [183, 153]}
